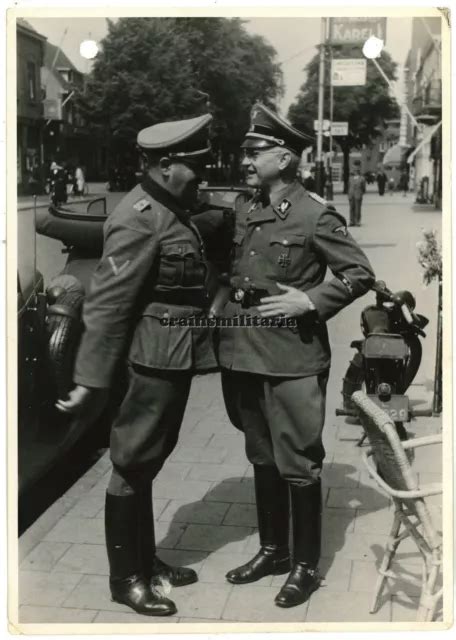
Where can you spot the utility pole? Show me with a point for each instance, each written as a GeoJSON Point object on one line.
{"type": "Point", "coordinates": [321, 92]}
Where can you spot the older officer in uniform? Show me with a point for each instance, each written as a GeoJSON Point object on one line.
{"type": "Point", "coordinates": [153, 270]}
{"type": "Point", "coordinates": [274, 377]}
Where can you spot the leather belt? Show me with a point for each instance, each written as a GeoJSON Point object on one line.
{"type": "Point", "coordinates": [183, 297]}
{"type": "Point", "coordinates": [248, 297]}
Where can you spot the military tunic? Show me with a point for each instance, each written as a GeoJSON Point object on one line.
{"type": "Point", "coordinates": [153, 269]}
{"type": "Point", "coordinates": [274, 378]}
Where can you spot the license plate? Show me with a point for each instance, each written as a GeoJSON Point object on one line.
{"type": "Point", "coordinates": [397, 407]}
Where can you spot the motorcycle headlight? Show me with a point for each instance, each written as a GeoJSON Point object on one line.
{"type": "Point", "coordinates": [384, 390]}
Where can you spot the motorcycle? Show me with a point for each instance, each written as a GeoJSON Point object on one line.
{"type": "Point", "coordinates": [388, 358]}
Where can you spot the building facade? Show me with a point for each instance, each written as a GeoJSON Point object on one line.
{"type": "Point", "coordinates": [424, 71]}
{"type": "Point", "coordinates": [30, 59]}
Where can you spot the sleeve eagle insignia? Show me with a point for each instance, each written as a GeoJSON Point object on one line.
{"type": "Point", "coordinates": [142, 205]}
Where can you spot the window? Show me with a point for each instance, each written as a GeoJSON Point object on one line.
{"type": "Point", "coordinates": [31, 78]}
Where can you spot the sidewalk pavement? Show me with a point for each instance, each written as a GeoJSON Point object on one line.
{"type": "Point", "coordinates": [204, 500]}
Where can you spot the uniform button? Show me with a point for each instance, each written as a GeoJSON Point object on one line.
{"type": "Point", "coordinates": [252, 253]}
{"type": "Point", "coordinates": [257, 228]}
{"type": "Point", "coordinates": [166, 314]}
{"type": "Point", "coordinates": [284, 241]}
{"type": "Point", "coordinates": [246, 279]}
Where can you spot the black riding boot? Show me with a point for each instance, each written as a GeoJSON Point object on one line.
{"type": "Point", "coordinates": [272, 502]}
{"type": "Point", "coordinates": [127, 582]}
{"type": "Point", "coordinates": [153, 568]}
{"type": "Point", "coordinates": [306, 517]}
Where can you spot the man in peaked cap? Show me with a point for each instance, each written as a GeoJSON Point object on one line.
{"type": "Point", "coordinates": [152, 271]}
{"type": "Point", "coordinates": [275, 372]}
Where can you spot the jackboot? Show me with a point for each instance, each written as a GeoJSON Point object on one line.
{"type": "Point", "coordinates": [127, 582]}
{"type": "Point", "coordinates": [154, 569]}
{"type": "Point", "coordinates": [306, 518]}
{"type": "Point", "coordinates": [272, 502]}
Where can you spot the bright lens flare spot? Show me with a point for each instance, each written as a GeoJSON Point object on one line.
{"type": "Point", "coordinates": [88, 49]}
{"type": "Point", "coordinates": [372, 48]}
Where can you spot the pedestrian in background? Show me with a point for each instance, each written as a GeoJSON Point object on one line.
{"type": "Point", "coordinates": [57, 184]}
{"type": "Point", "coordinates": [152, 272]}
{"type": "Point", "coordinates": [391, 185]}
{"type": "Point", "coordinates": [356, 191]}
{"type": "Point", "coordinates": [403, 182]}
{"type": "Point", "coordinates": [274, 377]}
{"type": "Point", "coordinates": [381, 182]}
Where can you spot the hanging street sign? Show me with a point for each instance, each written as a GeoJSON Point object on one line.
{"type": "Point", "coordinates": [348, 72]}
{"type": "Point", "coordinates": [355, 30]}
{"type": "Point", "coordinates": [339, 129]}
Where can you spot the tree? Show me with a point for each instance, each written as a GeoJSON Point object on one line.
{"type": "Point", "coordinates": [365, 108]}
{"type": "Point", "coordinates": [155, 69]}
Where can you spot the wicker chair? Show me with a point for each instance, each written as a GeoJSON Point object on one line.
{"type": "Point", "coordinates": [394, 475]}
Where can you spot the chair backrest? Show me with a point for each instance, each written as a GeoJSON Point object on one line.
{"type": "Point", "coordinates": [392, 460]}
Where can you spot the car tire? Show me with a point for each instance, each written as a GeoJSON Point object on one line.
{"type": "Point", "coordinates": [63, 332]}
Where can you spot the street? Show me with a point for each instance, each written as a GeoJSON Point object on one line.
{"type": "Point", "coordinates": [204, 497]}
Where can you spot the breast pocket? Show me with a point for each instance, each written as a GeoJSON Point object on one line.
{"type": "Point", "coordinates": [181, 266]}
{"type": "Point", "coordinates": [285, 255]}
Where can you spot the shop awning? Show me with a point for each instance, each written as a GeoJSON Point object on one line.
{"type": "Point", "coordinates": [395, 154]}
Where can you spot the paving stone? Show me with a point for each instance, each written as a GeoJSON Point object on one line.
{"type": "Point", "coordinates": [338, 519]}
{"type": "Point", "coordinates": [84, 558]}
{"type": "Point", "coordinates": [30, 614]}
{"type": "Point", "coordinates": [190, 490]}
{"type": "Point", "coordinates": [346, 607]}
{"type": "Point", "coordinates": [44, 556]}
{"type": "Point", "coordinates": [218, 564]}
{"type": "Point", "coordinates": [233, 439]}
{"type": "Point", "coordinates": [195, 512]}
{"type": "Point", "coordinates": [119, 617]}
{"type": "Point", "coordinates": [47, 589]}
{"type": "Point", "coordinates": [365, 574]}
{"type": "Point", "coordinates": [211, 538]}
{"type": "Point", "coordinates": [251, 603]}
{"type": "Point", "coordinates": [174, 471]}
{"type": "Point", "coordinates": [77, 530]}
{"type": "Point", "coordinates": [379, 521]}
{"type": "Point", "coordinates": [168, 534]}
{"type": "Point", "coordinates": [36, 533]}
{"type": "Point", "coordinates": [352, 546]}
{"type": "Point", "coordinates": [427, 458]}
{"type": "Point", "coordinates": [357, 498]}
{"type": "Point", "coordinates": [340, 475]}
{"type": "Point", "coordinates": [241, 515]}
{"type": "Point", "coordinates": [403, 609]}
{"type": "Point", "coordinates": [218, 472]}
{"type": "Point", "coordinates": [182, 558]}
{"type": "Point", "coordinates": [87, 507]}
{"type": "Point", "coordinates": [252, 545]}
{"type": "Point", "coordinates": [232, 492]}
{"type": "Point", "coordinates": [349, 433]}
{"type": "Point", "coordinates": [195, 454]}
{"type": "Point", "coordinates": [201, 600]}
{"type": "Point", "coordinates": [90, 592]}
{"type": "Point", "coordinates": [191, 439]}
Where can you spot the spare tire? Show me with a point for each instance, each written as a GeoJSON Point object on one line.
{"type": "Point", "coordinates": [63, 333]}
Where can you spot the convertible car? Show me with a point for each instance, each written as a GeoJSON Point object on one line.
{"type": "Point", "coordinates": [49, 318]}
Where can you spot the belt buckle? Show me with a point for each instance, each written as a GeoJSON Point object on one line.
{"type": "Point", "coordinates": [239, 295]}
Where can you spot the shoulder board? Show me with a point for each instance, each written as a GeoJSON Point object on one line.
{"type": "Point", "coordinates": [142, 205]}
{"type": "Point", "coordinates": [317, 198]}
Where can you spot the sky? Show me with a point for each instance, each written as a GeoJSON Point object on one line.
{"type": "Point", "coordinates": [294, 39]}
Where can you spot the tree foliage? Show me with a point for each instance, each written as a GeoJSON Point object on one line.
{"type": "Point", "coordinates": [154, 69]}
{"type": "Point", "coordinates": [365, 108]}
